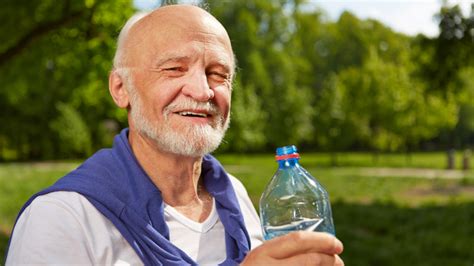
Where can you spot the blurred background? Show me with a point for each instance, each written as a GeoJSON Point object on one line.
{"type": "Point", "coordinates": [377, 95]}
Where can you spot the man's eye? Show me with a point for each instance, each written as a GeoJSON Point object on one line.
{"type": "Point", "coordinates": [218, 75]}
{"type": "Point", "coordinates": [173, 69]}
{"type": "Point", "coordinates": [176, 71]}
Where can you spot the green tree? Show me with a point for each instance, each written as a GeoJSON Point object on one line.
{"type": "Point", "coordinates": [464, 130]}
{"type": "Point", "coordinates": [388, 109]}
{"type": "Point", "coordinates": [73, 133]}
{"type": "Point", "coordinates": [443, 64]}
{"type": "Point", "coordinates": [262, 44]}
{"type": "Point", "coordinates": [247, 129]}
{"type": "Point", "coordinates": [451, 51]}
{"type": "Point", "coordinates": [336, 50]}
{"type": "Point", "coordinates": [56, 52]}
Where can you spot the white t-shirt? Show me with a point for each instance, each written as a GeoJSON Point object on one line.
{"type": "Point", "coordinates": [65, 228]}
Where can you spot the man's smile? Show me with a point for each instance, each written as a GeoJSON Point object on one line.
{"type": "Point", "coordinates": [194, 114]}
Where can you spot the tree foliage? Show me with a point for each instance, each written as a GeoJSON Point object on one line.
{"type": "Point", "coordinates": [57, 52]}
{"type": "Point", "coordinates": [301, 79]}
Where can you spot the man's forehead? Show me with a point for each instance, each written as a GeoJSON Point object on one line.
{"type": "Point", "coordinates": [176, 19]}
{"type": "Point", "coordinates": [167, 30]}
{"type": "Point", "coordinates": [189, 53]}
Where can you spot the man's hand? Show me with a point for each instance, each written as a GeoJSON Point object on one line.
{"type": "Point", "coordinates": [298, 248]}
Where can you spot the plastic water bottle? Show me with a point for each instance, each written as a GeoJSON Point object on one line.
{"type": "Point", "coordinates": [294, 200]}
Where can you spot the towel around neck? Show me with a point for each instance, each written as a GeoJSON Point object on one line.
{"type": "Point", "coordinates": [114, 182]}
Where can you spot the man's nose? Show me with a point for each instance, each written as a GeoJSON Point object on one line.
{"type": "Point", "coordinates": [197, 87]}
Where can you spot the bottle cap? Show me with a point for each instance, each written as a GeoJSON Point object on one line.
{"type": "Point", "coordinates": [287, 152]}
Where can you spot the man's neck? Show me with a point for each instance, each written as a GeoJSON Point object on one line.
{"type": "Point", "coordinates": [176, 176]}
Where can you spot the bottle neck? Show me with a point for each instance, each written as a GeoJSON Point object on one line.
{"type": "Point", "coordinates": [286, 163]}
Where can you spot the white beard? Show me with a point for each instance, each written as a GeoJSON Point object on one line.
{"type": "Point", "coordinates": [187, 140]}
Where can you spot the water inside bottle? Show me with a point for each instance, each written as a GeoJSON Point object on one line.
{"type": "Point", "coordinates": [305, 224]}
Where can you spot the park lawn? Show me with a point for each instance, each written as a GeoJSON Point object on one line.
{"type": "Point", "coordinates": [381, 220]}
{"type": "Point", "coordinates": [386, 220]}
{"type": "Point", "coordinates": [19, 181]}
{"type": "Point", "coordinates": [352, 182]}
{"type": "Point", "coordinates": [432, 160]}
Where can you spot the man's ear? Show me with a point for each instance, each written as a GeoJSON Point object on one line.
{"type": "Point", "coordinates": [117, 90]}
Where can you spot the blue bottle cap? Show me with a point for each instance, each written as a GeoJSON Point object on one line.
{"type": "Point", "coordinates": [286, 150]}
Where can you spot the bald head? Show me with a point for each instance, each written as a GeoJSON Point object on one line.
{"type": "Point", "coordinates": [146, 32]}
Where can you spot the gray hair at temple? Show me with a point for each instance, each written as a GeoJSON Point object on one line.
{"type": "Point", "coordinates": [118, 57]}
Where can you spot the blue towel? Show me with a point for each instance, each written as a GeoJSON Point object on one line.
{"type": "Point", "coordinates": [114, 182]}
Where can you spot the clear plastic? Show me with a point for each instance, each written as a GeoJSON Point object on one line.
{"type": "Point", "coordinates": [294, 200]}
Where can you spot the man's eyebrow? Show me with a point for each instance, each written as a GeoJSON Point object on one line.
{"type": "Point", "coordinates": [222, 66]}
{"type": "Point", "coordinates": [170, 58]}
{"type": "Point", "coordinates": [219, 62]}
{"type": "Point", "coordinates": [223, 63]}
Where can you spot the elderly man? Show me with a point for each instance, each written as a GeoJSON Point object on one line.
{"type": "Point", "coordinates": [156, 197]}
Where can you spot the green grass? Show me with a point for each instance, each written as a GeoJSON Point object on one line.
{"type": "Point", "coordinates": [387, 220]}
{"type": "Point", "coordinates": [387, 234]}
{"type": "Point", "coordinates": [18, 182]}
{"type": "Point", "coordinates": [355, 184]}
{"type": "Point", "coordinates": [432, 160]}
{"type": "Point", "coordinates": [382, 220]}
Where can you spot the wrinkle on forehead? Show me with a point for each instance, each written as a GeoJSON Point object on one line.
{"type": "Point", "coordinates": [176, 22]}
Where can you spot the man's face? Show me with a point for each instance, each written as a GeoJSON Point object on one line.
{"type": "Point", "coordinates": [180, 85]}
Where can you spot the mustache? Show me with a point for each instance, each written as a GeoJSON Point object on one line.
{"type": "Point", "coordinates": [190, 104]}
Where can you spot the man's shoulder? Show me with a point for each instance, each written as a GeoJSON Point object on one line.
{"type": "Point", "coordinates": [70, 219]}
{"type": "Point", "coordinates": [64, 202]}
{"type": "Point", "coordinates": [66, 198]}
{"type": "Point", "coordinates": [97, 174]}
{"type": "Point", "coordinates": [67, 210]}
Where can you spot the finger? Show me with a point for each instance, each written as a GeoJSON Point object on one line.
{"type": "Point", "coordinates": [303, 242]}
{"type": "Point", "coordinates": [339, 261]}
{"type": "Point", "coordinates": [312, 259]}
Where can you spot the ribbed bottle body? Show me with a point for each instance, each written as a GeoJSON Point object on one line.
{"type": "Point", "coordinates": [294, 200]}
